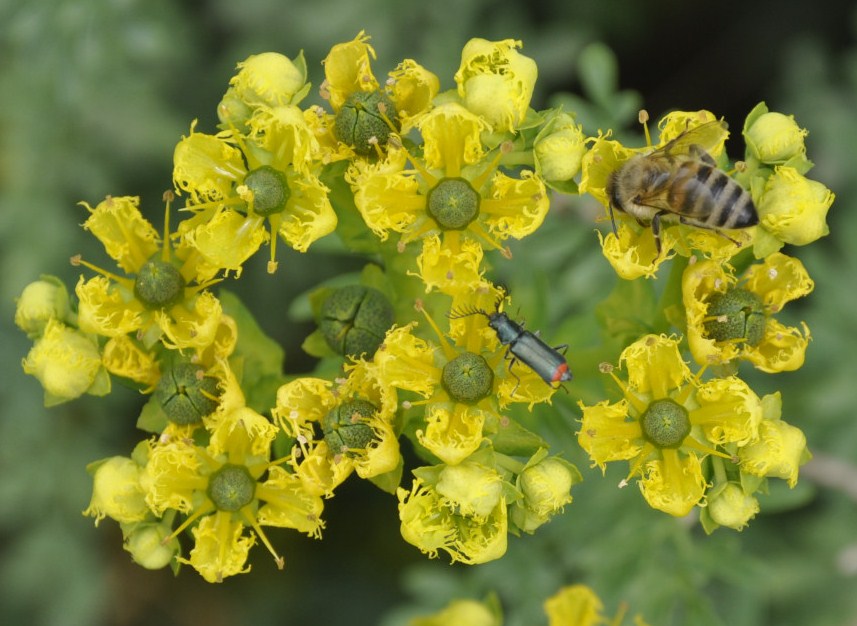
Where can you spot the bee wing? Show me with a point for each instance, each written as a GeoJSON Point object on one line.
{"type": "Point", "coordinates": [657, 200]}
{"type": "Point", "coordinates": [698, 141]}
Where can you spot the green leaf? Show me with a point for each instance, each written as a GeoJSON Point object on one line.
{"type": "Point", "coordinates": [515, 440]}
{"type": "Point", "coordinates": [389, 481]}
{"type": "Point", "coordinates": [152, 418]}
{"type": "Point", "coordinates": [259, 357]}
{"type": "Point", "coordinates": [629, 312]}
{"type": "Point", "coordinates": [599, 74]}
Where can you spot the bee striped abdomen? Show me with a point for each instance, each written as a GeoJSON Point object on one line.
{"type": "Point", "coordinates": [706, 193]}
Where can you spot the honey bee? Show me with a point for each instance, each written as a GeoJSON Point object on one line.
{"type": "Point", "coordinates": [681, 182]}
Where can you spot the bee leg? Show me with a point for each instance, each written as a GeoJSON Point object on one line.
{"type": "Point", "coordinates": [656, 230]}
{"type": "Point", "coordinates": [613, 221]}
{"type": "Point", "coordinates": [561, 348]}
{"type": "Point", "coordinates": [689, 221]}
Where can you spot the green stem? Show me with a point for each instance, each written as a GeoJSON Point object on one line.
{"type": "Point", "coordinates": [670, 306]}
{"type": "Point", "coordinates": [518, 157]}
{"type": "Point", "coordinates": [508, 463]}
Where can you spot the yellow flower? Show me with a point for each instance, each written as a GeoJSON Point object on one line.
{"type": "Point", "coordinates": [460, 612]}
{"type": "Point", "coordinates": [269, 79]}
{"type": "Point", "coordinates": [474, 489]}
{"type": "Point", "coordinates": [574, 605]}
{"type": "Point", "coordinates": [434, 521]}
{"type": "Point", "coordinates": [220, 487]}
{"type": "Point", "coordinates": [453, 268]}
{"type": "Point", "coordinates": [631, 249]}
{"type": "Point", "coordinates": [780, 448]}
{"type": "Point", "coordinates": [123, 356]}
{"type": "Point", "coordinates": [366, 115]}
{"type": "Point", "coordinates": [355, 419]}
{"type": "Point", "coordinates": [496, 82]}
{"type": "Point", "coordinates": [731, 318]}
{"type": "Point", "coordinates": [454, 192]}
{"type": "Point", "coordinates": [348, 68]}
{"type": "Point", "coordinates": [667, 423]}
{"type": "Point", "coordinates": [67, 362]}
{"type": "Point", "coordinates": [162, 296]}
{"type": "Point", "coordinates": [579, 605]}
{"type": "Point", "coordinates": [271, 179]}
{"type": "Point", "coordinates": [465, 384]}
{"type": "Point", "coordinates": [793, 208]}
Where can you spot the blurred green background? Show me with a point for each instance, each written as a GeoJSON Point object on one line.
{"type": "Point", "coordinates": [94, 95]}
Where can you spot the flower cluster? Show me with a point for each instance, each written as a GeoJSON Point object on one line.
{"type": "Point", "coordinates": [691, 442]}
{"type": "Point", "coordinates": [428, 185]}
{"type": "Point", "coordinates": [706, 439]}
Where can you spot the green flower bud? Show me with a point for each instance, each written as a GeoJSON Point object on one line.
{"type": "Point", "coordinates": [270, 190]}
{"type": "Point", "coordinates": [794, 208]}
{"type": "Point", "coordinates": [775, 138]}
{"type": "Point", "coordinates": [145, 543]}
{"type": "Point", "coordinates": [546, 485]}
{"type": "Point", "coordinates": [159, 284]}
{"type": "Point", "coordinates": [665, 423]}
{"type": "Point", "coordinates": [185, 394]}
{"type": "Point", "coordinates": [736, 314]}
{"type": "Point", "coordinates": [116, 492]}
{"type": "Point", "coordinates": [559, 152]}
{"type": "Point", "coordinates": [233, 111]}
{"type": "Point", "coordinates": [453, 203]}
{"type": "Point", "coordinates": [40, 302]}
{"type": "Point", "coordinates": [364, 121]}
{"type": "Point", "coordinates": [779, 451]}
{"type": "Point", "coordinates": [467, 378]}
{"type": "Point", "coordinates": [231, 488]}
{"type": "Point", "coordinates": [732, 508]}
{"type": "Point", "coordinates": [346, 428]}
{"type": "Point", "coordinates": [354, 320]}
{"type": "Point", "coordinates": [67, 363]}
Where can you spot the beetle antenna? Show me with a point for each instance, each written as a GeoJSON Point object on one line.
{"type": "Point", "coordinates": [459, 313]}
{"type": "Point", "coordinates": [504, 292]}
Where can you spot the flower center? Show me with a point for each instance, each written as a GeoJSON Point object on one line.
{"type": "Point", "coordinates": [665, 423]}
{"type": "Point", "coordinates": [364, 121]}
{"type": "Point", "coordinates": [270, 190]}
{"type": "Point", "coordinates": [467, 378]}
{"type": "Point", "coordinates": [185, 395]}
{"type": "Point", "coordinates": [453, 203]}
{"type": "Point", "coordinates": [345, 427]}
{"type": "Point", "coordinates": [231, 487]}
{"type": "Point", "coordinates": [159, 284]}
{"type": "Point", "coordinates": [737, 314]}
